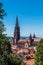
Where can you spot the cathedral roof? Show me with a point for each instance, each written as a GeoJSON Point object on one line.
{"type": "Point", "coordinates": [37, 39]}
{"type": "Point", "coordinates": [23, 40]}
{"type": "Point", "coordinates": [27, 40]}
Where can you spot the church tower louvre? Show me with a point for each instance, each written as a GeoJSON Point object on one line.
{"type": "Point", "coordinates": [16, 31]}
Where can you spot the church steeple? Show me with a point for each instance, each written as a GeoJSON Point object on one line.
{"type": "Point", "coordinates": [17, 21]}
{"type": "Point", "coordinates": [34, 36]}
{"type": "Point", "coordinates": [16, 32]}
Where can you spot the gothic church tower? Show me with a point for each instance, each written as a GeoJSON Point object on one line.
{"type": "Point", "coordinates": [16, 32]}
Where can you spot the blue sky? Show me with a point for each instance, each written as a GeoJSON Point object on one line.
{"type": "Point", "coordinates": [30, 16]}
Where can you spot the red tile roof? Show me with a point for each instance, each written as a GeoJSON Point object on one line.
{"type": "Point", "coordinates": [23, 40]}
{"type": "Point", "coordinates": [29, 62]}
{"type": "Point", "coordinates": [37, 39]}
{"type": "Point", "coordinates": [27, 40]}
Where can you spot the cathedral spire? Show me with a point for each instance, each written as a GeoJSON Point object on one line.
{"type": "Point", "coordinates": [16, 31]}
{"type": "Point", "coordinates": [34, 36]}
{"type": "Point", "coordinates": [17, 25]}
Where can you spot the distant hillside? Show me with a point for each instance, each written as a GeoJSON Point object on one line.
{"type": "Point", "coordinates": [10, 37]}
{"type": "Point", "coordinates": [22, 37]}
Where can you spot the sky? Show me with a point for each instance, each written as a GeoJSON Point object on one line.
{"type": "Point", "coordinates": [30, 16]}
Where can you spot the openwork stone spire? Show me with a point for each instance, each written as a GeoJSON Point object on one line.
{"type": "Point", "coordinates": [17, 25]}
{"type": "Point", "coordinates": [16, 32]}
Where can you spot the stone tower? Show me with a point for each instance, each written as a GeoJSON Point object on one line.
{"type": "Point", "coordinates": [16, 32]}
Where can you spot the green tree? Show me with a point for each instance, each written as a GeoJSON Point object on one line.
{"type": "Point", "coordinates": [2, 11]}
{"type": "Point", "coordinates": [4, 42]}
{"type": "Point", "coordinates": [2, 29]}
{"type": "Point", "coordinates": [39, 54]}
{"type": "Point", "coordinates": [6, 57]}
{"type": "Point", "coordinates": [5, 46]}
{"type": "Point", "coordinates": [2, 14]}
{"type": "Point", "coordinates": [14, 60]}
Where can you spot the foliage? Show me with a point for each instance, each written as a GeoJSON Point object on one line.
{"type": "Point", "coordinates": [14, 60]}
{"type": "Point", "coordinates": [2, 11]}
{"type": "Point", "coordinates": [2, 14]}
{"type": "Point", "coordinates": [39, 54]}
{"type": "Point", "coordinates": [5, 48]}
{"type": "Point", "coordinates": [8, 59]}
{"type": "Point", "coordinates": [4, 44]}
{"type": "Point", "coordinates": [41, 41]}
{"type": "Point", "coordinates": [2, 29]}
